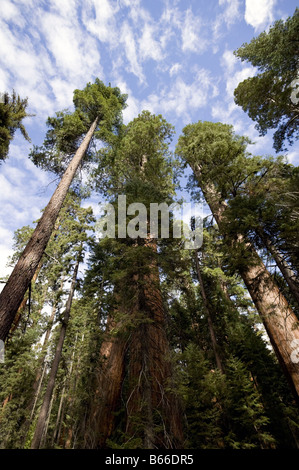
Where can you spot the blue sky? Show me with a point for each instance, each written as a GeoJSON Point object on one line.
{"type": "Point", "coordinates": [171, 57]}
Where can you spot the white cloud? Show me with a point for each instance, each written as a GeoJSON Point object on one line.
{"type": "Point", "coordinates": [99, 19]}
{"type": "Point", "coordinates": [6, 252]}
{"type": "Point", "coordinates": [66, 9]}
{"type": "Point", "coordinates": [9, 12]}
{"type": "Point", "coordinates": [175, 69]}
{"type": "Point", "coordinates": [228, 16]}
{"type": "Point", "coordinates": [191, 41]}
{"type": "Point", "coordinates": [63, 43]}
{"type": "Point", "coordinates": [293, 158]}
{"type": "Point", "coordinates": [183, 98]}
{"type": "Point", "coordinates": [149, 47]}
{"type": "Point", "coordinates": [231, 13]}
{"type": "Point", "coordinates": [133, 105]}
{"type": "Point", "coordinates": [259, 13]}
{"type": "Point", "coordinates": [228, 61]}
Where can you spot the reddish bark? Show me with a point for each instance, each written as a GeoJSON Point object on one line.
{"type": "Point", "coordinates": [151, 401]}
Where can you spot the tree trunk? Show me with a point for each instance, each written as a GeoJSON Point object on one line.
{"type": "Point", "coordinates": [208, 315]}
{"type": "Point", "coordinates": [153, 409]}
{"type": "Point", "coordinates": [19, 280]}
{"type": "Point", "coordinates": [52, 376]}
{"type": "Point", "coordinates": [109, 381]}
{"type": "Point", "coordinates": [285, 269]}
{"type": "Point", "coordinates": [60, 413]}
{"type": "Point", "coordinates": [279, 319]}
{"type": "Point", "coordinates": [23, 304]}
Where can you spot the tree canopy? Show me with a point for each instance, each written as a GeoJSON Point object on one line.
{"type": "Point", "coordinates": [271, 97]}
{"type": "Point", "coordinates": [12, 113]}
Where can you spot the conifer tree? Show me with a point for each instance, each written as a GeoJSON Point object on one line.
{"type": "Point", "coordinates": [97, 113]}
{"type": "Point", "coordinates": [12, 113]}
{"type": "Point", "coordinates": [218, 160]}
{"type": "Point", "coordinates": [271, 97]}
{"type": "Point", "coordinates": [141, 166]}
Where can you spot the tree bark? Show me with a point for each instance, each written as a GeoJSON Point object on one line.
{"type": "Point", "coordinates": [208, 315]}
{"type": "Point", "coordinates": [39, 377]}
{"type": "Point", "coordinates": [109, 379]}
{"type": "Point", "coordinates": [150, 369]}
{"type": "Point", "coordinates": [278, 318]}
{"type": "Point", "coordinates": [19, 280]}
{"type": "Point", "coordinates": [23, 304]}
{"type": "Point", "coordinates": [43, 414]}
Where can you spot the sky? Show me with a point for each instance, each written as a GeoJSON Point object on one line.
{"type": "Point", "coordinates": [172, 57]}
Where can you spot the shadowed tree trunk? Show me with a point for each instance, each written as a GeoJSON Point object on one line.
{"type": "Point", "coordinates": [109, 379]}
{"type": "Point", "coordinates": [19, 280]}
{"type": "Point", "coordinates": [208, 315]}
{"type": "Point", "coordinates": [153, 409]}
{"type": "Point", "coordinates": [143, 351]}
{"type": "Point", "coordinates": [44, 411]}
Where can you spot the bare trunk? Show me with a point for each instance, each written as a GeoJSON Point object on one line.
{"type": "Point", "coordinates": [45, 431]}
{"type": "Point", "coordinates": [279, 319]}
{"type": "Point", "coordinates": [37, 385]}
{"type": "Point", "coordinates": [71, 391]}
{"type": "Point", "coordinates": [56, 433]}
{"type": "Point", "coordinates": [208, 315]}
{"type": "Point", "coordinates": [19, 280]}
{"type": "Point", "coordinates": [36, 442]}
{"type": "Point", "coordinates": [23, 304]}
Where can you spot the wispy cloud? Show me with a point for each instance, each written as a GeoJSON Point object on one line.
{"type": "Point", "coordinates": [183, 98]}
{"type": "Point", "coordinates": [191, 39]}
{"type": "Point", "coordinates": [228, 15]}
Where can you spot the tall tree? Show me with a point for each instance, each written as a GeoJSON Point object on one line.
{"type": "Point", "coordinates": [73, 236]}
{"type": "Point", "coordinates": [44, 411]}
{"type": "Point", "coordinates": [271, 97]}
{"type": "Point", "coordinates": [12, 113]}
{"type": "Point", "coordinates": [98, 109]}
{"type": "Point", "coordinates": [218, 159]}
{"type": "Point", "coordinates": [141, 168]}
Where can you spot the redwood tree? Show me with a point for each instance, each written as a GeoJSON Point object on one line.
{"type": "Point", "coordinates": [219, 162]}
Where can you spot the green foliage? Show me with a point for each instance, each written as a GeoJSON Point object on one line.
{"type": "Point", "coordinates": [246, 404]}
{"type": "Point", "coordinates": [215, 153]}
{"type": "Point", "coordinates": [12, 113]}
{"type": "Point", "coordinates": [67, 129]}
{"type": "Point", "coordinates": [266, 97]}
{"type": "Point", "coordinates": [223, 410]}
{"type": "Point", "coordinates": [140, 162]}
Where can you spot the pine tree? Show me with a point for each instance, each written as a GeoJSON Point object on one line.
{"type": "Point", "coordinates": [96, 106]}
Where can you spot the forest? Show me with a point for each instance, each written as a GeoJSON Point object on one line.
{"type": "Point", "coordinates": [137, 342]}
